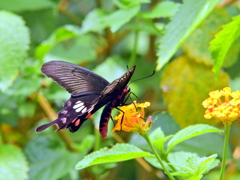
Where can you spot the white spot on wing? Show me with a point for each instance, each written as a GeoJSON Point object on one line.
{"type": "Point", "coordinates": [79, 109]}
{"type": "Point", "coordinates": [78, 105]}
{"type": "Point", "coordinates": [84, 110]}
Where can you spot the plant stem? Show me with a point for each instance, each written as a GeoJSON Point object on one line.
{"type": "Point", "coordinates": [1, 138]}
{"type": "Point", "coordinates": [146, 137]}
{"type": "Point", "coordinates": [135, 46]}
{"type": "Point", "coordinates": [225, 149]}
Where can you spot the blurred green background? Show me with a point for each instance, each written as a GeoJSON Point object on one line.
{"type": "Point", "coordinates": [107, 36]}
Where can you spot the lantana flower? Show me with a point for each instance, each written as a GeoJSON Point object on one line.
{"type": "Point", "coordinates": [223, 105]}
{"type": "Point", "coordinates": [133, 120]}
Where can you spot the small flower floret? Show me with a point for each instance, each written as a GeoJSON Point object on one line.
{"type": "Point", "coordinates": [133, 120]}
{"type": "Point", "coordinates": [223, 105]}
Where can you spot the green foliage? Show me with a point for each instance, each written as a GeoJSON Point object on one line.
{"type": "Point", "coordinates": [190, 132]}
{"type": "Point", "coordinates": [15, 40]}
{"type": "Point", "coordinates": [25, 5]}
{"type": "Point", "coordinates": [13, 164]}
{"type": "Point", "coordinates": [189, 15]}
{"type": "Point", "coordinates": [118, 153]}
{"type": "Point", "coordinates": [223, 41]}
{"type": "Point", "coordinates": [197, 44]}
{"type": "Point", "coordinates": [195, 167]}
{"type": "Point", "coordinates": [164, 9]}
{"type": "Point", "coordinates": [186, 164]}
{"type": "Point", "coordinates": [48, 158]}
{"type": "Point", "coordinates": [183, 40]}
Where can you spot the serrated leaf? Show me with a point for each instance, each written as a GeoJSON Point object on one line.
{"type": "Point", "coordinates": [195, 167]}
{"type": "Point", "coordinates": [208, 163]}
{"type": "Point", "coordinates": [14, 38]}
{"type": "Point", "coordinates": [119, 152]}
{"type": "Point", "coordinates": [13, 164]}
{"type": "Point", "coordinates": [179, 158]}
{"type": "Point", "coordinates": [190, 14]}
{"type": "Point", "coordinates": [185, 85]}
{"type": "Point", "coordinates": [197, 44]}
{"type": "Point", "coordinates": [25, 5]}
{"type": "Point", "coordinates": [162, 9]}
{"type": "Point", "coordinates": [120, 17]}
{"type": "Point", "coordinates": [223, 41]}
{"type": "Point", "coordinates": [61, 34]}
{"type": "Point", "coordinates": [190, 132]}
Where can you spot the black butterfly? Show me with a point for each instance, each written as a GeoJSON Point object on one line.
{"type": "Point", "coordinates": [89, 92]}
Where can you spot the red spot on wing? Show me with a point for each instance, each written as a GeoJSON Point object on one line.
{"type": "Point", "coordinates": [77, 122]}
{"type": "Point", "coordinates": [89, 114]}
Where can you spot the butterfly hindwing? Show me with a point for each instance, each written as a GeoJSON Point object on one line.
{"type": "Point", "coordinates": [74, 113]}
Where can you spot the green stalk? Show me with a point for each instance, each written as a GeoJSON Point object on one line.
{"type": "Point", "coordinates": [1, 138]}
{"type": "Point", "coordinates": [146, 137]}
{"type": "Point", "coordinates": [225, 149]}
{"type": "Point", "coordinates": [134, 52]}
{"type": "Point", "coordinates": [97, 140]}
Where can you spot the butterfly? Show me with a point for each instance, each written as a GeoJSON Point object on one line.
{"type": "Point", "coordinates": [89, 92]}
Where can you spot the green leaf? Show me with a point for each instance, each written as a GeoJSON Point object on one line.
{"type": "Point", "coordinates": [208, 163]}
{"type": "Point", "coordinates": [158, 139]}
{"type": "Point", "coordinates": [48, 158]}
{"type": "Point", "coordinates": [179, 158]}
{"type": "Point", "coordinates": [61, 34]}
{"type": "Point", "coordinates": [175, 158]}
{"type": "Point", "coordinates": [118, 153]}
{"type": "Point", "coordinates": [223, 41]}
{"type": "Point", "coordinates": [189, 132]}
{"type": "Point", "coordinates": [93, 21]}
{"type": "Point", "coordinates": [197, 44]}
{"type": "Point", "coordinates": [26, 5]}
{"type": "Point", "coordinates": [14, 38]}
{"type": "Point", "coordinates": [195, 167]}
{"type": "Point", "coordinates": [162, 9]}
{"type": "Point", "coordinates": [120, 17]}
{"type": "Point", "coordinates": [13, 164]}
{"type": "Point", "coordinates": [129, 3]}
{"type": "Point", "coordinates": [189, 16]}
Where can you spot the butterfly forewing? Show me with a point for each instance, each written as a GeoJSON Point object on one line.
{"type": "Point", "coordinates": [75, 79]}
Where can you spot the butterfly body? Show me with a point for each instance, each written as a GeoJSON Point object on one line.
{"type": "Point", "coordinates": [89, 92]}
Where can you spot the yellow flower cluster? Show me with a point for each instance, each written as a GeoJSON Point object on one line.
{"type": "Point", "coordinates": [133, 120]}
{"type": "Point", "coordinates": [223, 105]}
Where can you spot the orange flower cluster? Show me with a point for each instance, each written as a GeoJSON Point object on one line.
{"type": "Point", "coordinates": [223, 105]}
{"type": "Point", "coordinates": [133, 120]}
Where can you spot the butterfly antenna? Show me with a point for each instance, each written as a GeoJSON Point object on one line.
{"type": "Point", "coordinates": [143, 77]}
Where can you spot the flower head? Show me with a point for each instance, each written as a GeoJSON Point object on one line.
{"type": "Point", "coordinates": [223, 105]}
{"type": "Point", "coordinates": [133, 120]}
